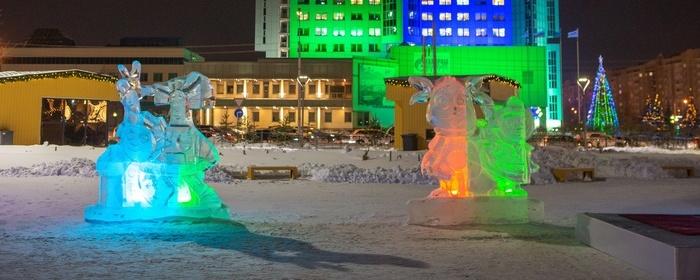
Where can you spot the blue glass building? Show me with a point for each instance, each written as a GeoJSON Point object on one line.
{"type": "Point", "coordinates": [458, 22]}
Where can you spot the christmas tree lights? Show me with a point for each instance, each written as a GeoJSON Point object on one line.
{"type": "Point", "coordinates": [602, 115]}
{"type": "Point", "coordinates": [654, 113]}
{"type": "Point", "coordinates": [691, 113]}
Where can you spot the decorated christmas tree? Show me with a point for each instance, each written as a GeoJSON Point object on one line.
{"type": "Point", "coordinates": [654, 113]}
{"type": "Point", "coordinates": [691, 113]}
{"type": "Point", "coordinates": [602, 115]}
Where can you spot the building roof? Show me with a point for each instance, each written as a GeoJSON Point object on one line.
{"type": "Point", "coordinates": [20, 76]}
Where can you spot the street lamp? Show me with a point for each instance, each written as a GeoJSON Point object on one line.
{"type": "Point", "coordinates": [583, 83]}
{"type": "Point", "coordinates": [302, 80]}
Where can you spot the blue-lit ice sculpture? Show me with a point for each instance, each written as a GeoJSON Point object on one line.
{"type": "Point", "coordinates": [156, 170]}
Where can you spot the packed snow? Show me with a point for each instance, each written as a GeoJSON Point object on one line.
{"type": "Point", "coordinates": [345, 218]}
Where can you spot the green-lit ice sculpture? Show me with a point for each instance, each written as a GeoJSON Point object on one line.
{"type": "Point", "coordinates": [481, 163]}
{"type": "Point", "coordinates": [156, 170]}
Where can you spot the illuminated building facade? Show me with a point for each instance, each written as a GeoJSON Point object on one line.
{"type": "Point", "coordinates": [675, 78]}
{"type": "Point", "coordinates": [267, 91]}
{"type": "Point", "coordinates": [369, 31]}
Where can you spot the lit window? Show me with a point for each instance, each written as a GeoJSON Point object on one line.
{"type": "Point", "coordinates": [411, 15]}
{"type": "Point", "coordinates": [427, 32]}
{"type": "Point", "coordinates": [462, 16]}
{"type": "Point", "coordinates": [356, 33]}
{"type": "Point", "coordinates": [339, 33]}
{"type": "Point", "coordinates": [445, 32]}
{"type": "Point", "coordinates": [375, 31]}
{"type": "Point", "coordinates": [303, 15]}
{"type": "Point", "coordinates": [427, 2]}
{"type": "Point", "coordinates": [374, 2]}
{"type": "Point", "coordinates": [338, 16]}
{"type": "Point", "coordinates": [355, 2]}
{"type": "Point", "coordinates": [463, 32]}
{"type": "Point", "coordinates": [322, 16]}
{"type": "Point", "coordinates": [427, 16]}
{"type": "Point", "coordinates": [412, 31]}
{"type": "Point", "coordinates": [480, 16]}
{"type": "Point", "coordinates": [445, 16]}
{"type": "Point", "coordinates": [481, 32]}
{"type": "Point", "coordinates": [321, 31]}
{"type": "Point", "coordinates": [499, 32]}
{"type": "Point", "coordinates": [462, 2]}
{"type": "Point", "coordinates": [499, 2]}
{"type": "Point", "coordinates": [445, 2]}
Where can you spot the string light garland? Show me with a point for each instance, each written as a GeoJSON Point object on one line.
{"type": "Point", "coordinates": [602, 115]}
{"type": "Point", "coordinates": [59, 74]}
{"type": "Point", "coordinates": [403, 82]}
{"type": "Point", "coordinates": [654, 113]}
{"type": "Point", "coordinates": [691, 113]}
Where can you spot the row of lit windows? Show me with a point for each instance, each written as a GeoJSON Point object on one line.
{"type": "Point", "coordinates": [357, 32]}
{"type": "Point", "coordinates": [459, 2]}
{"type": "Point", "coordinates": [292, 117]}
{"type": "Point", "coordinates": [339, 2]}
{"type": "Point", "coordinates": [335, 91]}
{"type": "Point", "coordinates": [461, 32]}
{"type": "Point", "coordinates": [428, 16]}
{"type": "Point", "coordinates": [341, 48]}
{"type": "Point", "coordinates": [339, 16]}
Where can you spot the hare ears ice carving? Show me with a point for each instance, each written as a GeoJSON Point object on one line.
{"type": "Point", "coordinates": [135, 71]}
{"type": "Point", "coordinates": [129, 80]}
{"type": "Point", "coordinates": [424, 86]}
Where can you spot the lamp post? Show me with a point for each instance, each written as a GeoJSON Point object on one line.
{"type": "Point", "coordinates": [302, 80]}
{"type": "Point", "coordinates": [583, 83]}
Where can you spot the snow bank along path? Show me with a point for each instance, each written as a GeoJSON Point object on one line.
{"type": "Point", "coordinates": [335, 166]}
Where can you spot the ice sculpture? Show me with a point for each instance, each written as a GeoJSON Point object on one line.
{"type": "Point", "coordinates": [470, 156]}
{"type": "Point", "coordinates": [156, 170]}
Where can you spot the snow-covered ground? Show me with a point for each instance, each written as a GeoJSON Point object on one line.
{"type": "Point", "coordinates": [318, 227]}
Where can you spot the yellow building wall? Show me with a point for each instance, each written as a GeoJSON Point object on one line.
{"type": "Point", "coordinates": [20, 102]}
{"type": "Point", "coordinates": [408, 118]}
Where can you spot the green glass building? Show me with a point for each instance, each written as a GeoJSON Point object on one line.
{"type": "Point", "coordinates": [343, 28]}
{"type": "Point", "coordinates": [518, 39]}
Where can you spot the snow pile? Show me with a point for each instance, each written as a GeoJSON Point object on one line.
{"type": "Point", "coordinates": [223, 174]}
{"type": "Point", "coordinates": [608, 167]}
{"type": "Point", "coordinates": [76, 167]}
{"type": "Point", "coordinates": [349, 173]}
{"type": "Point", "coordinates": [651, 150]}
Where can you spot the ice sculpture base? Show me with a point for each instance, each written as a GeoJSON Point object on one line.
{"type": "Point", "coordinates": [96, 213]}
{"type": "Point", "coordinates": [474, 210]}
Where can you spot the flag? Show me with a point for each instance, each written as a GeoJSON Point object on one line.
{"type": "Point", "coordinates": [573, 34]}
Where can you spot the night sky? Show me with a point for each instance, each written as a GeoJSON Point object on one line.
{"type": "Point", "coordinates": [625, 32]}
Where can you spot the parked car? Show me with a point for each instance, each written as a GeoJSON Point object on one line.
{"type": "Point", "coordinates": [599, 140]}
{"type": "Point", "coordinates": [366, 136]}
{"type": "Point", "coordinates": [207, 130]}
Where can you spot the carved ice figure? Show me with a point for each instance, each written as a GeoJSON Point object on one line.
{"type": "Point", "coordinates": [156, 170]}
{"type": "Point", "coordinates": [470, 156]}
{"type": "Point", "coordinates": [451, 114]}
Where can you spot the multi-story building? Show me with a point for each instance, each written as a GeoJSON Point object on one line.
{"type": "Point", "coordinates": [676, 79]}
{"type": "Point", "coordinates": [272, 27]}
{"type": "Point", "coordinates": [268, 93]}
{"type": "Point", "coordinates": [368, 31]}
